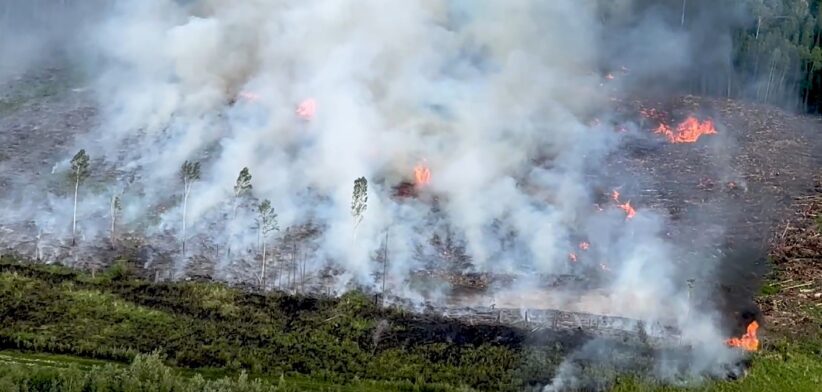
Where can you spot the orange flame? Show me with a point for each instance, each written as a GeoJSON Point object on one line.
{"type": "Point", "coordinates": [422, 175]}
{"type": "Point", "coordinates": [249, 96]}
{"type": "Point", "coordinates": [748, 341]}
{"type": "Point", "coordinates": [307, 108]}
{"type": "Point", "coordinates": [628, 209]}
{"type": "Point", "coordinates": [687, 131]}
{"type": "Point", "coordinates": [584, 245]}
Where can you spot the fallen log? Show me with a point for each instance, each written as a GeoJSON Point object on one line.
{"type": "Point", "coordinates": [654, 334]}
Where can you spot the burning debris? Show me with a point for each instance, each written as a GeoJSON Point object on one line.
{"type": "Point", "coordinates": [307, 109]}
{"type": "Point", "coordinates": [249, 96]}
{"type": "Point", "coordinates": [422, 175]}
{"type": "Point", "coordinates": [688, 131]}
{"type": "Point", "coordinates": [630, 212]}
{"type": "Point", "coordinates": [748, 341]}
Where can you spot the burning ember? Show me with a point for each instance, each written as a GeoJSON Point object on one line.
{"type": "Point", "coordinates": [422, 175]}
{"type": "Point", "coordinates": [584, 245]}
{"type": "Point", "coordinates": [630, 211]}
{"type": "Point", "coordinates": [687, 131]}
{"type": "Point", "coordinates": [573, 257]}
{"type": "Point", "coordinates": [748, 341]}
{"type": "Point", "coordinates": [249, 96]}
{"type": "Point", "coordinates": [307, 108]}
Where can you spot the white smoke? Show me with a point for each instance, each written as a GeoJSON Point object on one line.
{"type": "Point", "coordinates": [494, 96]}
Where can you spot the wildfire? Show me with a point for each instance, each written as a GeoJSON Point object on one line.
{"type": "Point", "coordinates": [630, 211]}
{"type": "Point", "coordinates": [422, 175]}
{"type": "Point", "coordinates": [748, 341]}
{"type": "Point", "coordinates": [573, 257]}
{"type": "Point", "coordinates": [687, 131]}
{"type": "Point", "coordinates": [249, 96]}
{"type": "Point", "coordinates": [307, 108]}
{"type": "Point", "coordinates": [584, 245]}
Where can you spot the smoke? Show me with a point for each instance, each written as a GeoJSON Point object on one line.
{"type": "Point", "coordinates": [496, 98]}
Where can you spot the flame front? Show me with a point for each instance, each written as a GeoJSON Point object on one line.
{"type": "Point", "coordinates": [307, 108]}
{"type": "Point", "coordinates": [687, 131]}
{"type": "Point", "coordinates": [748, 341]}
{"type": "Point", "coordinates": [422, 175]}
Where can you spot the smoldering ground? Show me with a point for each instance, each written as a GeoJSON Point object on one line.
{"type": "Point", "coordinates": [495, 98]}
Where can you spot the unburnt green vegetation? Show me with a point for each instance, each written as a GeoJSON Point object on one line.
{"type": "Point", "coordinates": [114, 316]}
{"type": "Point", "coordinates": [207, 336]}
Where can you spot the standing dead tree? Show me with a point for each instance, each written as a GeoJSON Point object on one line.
{"type": "Point", "coordinates": [79, 172]}
{"type": "Point", "coordinates": [114, 211]}
{"type": "Point", "coordinates": [189, 173]}
{"type": "Point", "coordinates": [266, 223]}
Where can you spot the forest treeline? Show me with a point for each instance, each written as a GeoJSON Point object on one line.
{"type": "Point", "coordinates": [766, 51]}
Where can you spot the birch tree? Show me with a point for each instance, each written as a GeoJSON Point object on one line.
{"type": "Point", "coordinates": [242, 188]}
{"type": "Point", "coordinates": [359, 200]}
{"type": "Point", "coordinates": [79, 172]}
{"type": "Point", "coordinates": [189, 173]}
{"type": "Point", "coordinates": [266, 223]}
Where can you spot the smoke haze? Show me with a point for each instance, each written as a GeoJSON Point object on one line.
{"type": "Point", "coordinates": [496, 98]}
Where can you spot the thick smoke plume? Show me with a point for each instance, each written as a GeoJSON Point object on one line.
{"type": "Point", "coordinates": [496, 98]}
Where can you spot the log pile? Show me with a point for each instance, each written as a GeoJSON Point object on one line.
{"type": "Point", "coordinates": [617, 328]}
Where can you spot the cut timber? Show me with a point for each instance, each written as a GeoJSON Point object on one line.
{"type": "Point", "coordinates": [613, 327]}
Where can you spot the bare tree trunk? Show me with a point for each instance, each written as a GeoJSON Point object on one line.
{"type": "Point", "coordinates": [758, 23]}
{"type": "Point", "coordinates": [234, 217]}
{"type": "Point", "coordinates": [770, 80]}
{"type": "Point", "coordinates": [682, 21]}
{"type": "Point", "coordinates": [294, 263]}
{"type": "Point", "coordinates": [262, 270]}
{"type": "Point", "coordinates": [384, 266]}
{"type": "Point", "coordinates": [113, 219]}
{"type": "Point", "coordinates": [186, 189]}
{"type": "Point", "coordinates": [74, 215]}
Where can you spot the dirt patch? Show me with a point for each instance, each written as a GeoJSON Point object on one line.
{"type": "Point", "coordinates": [792, 301]}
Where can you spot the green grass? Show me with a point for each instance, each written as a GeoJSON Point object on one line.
{"type": "Point", "coordinates": [23, 371]}
{"type": "Point", "coordinates": [57, 318]}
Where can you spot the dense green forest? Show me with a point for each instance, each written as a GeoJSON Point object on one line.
{"type": "Point", "coordinates": [776, 50]}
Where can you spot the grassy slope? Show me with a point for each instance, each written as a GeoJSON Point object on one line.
{"type": "Point", "coordinates": [317, 344]}
{"type": "Point", "coordinates": [197, 325]}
